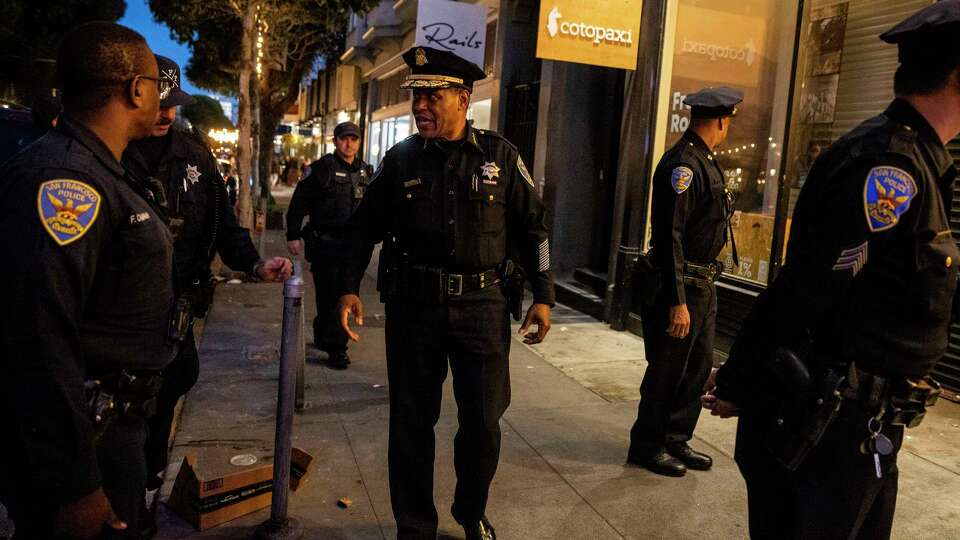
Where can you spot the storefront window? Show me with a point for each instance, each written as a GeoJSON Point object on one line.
{"type": "Point", "coordinates": [383, 134]}
{"type": "Point", "coordinates": [747, 44]}
{"type": "Point", "coordinates": [844, 76]}
{"type": "Point", "coordinates": [479, 113]}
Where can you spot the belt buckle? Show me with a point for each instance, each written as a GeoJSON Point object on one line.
{"type": "Point", "coordinates": [454, 284]}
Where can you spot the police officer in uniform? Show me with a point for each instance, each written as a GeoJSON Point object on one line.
{"type": "Point", "coordinates": [691, 213]}
{"type": "Point", "coordinates": [458, 214]}
{"type": "Point", "coordinates": [332, 188]}
{"type": "Point", "coordinates": [836, 350]}
{"type": "Point", "coordinates": [86, 321]}
{"type": "Point", "coordinates": [200, 217]}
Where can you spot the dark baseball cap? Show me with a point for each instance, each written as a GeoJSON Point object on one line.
{"type": "Point", "coordinates": [346, 128]}
{"type": "Point", "coordinates": [170, 76]}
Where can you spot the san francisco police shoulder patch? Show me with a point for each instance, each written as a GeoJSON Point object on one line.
{"type": "Point", "coordinates": [680, 179]}
{"type": "Point", "coordinates": [886, 196]}
{"type": "Point", "coordinates": [67, 209]}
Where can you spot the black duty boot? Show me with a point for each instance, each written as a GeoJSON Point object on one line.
{"type": "Point", "coordinates": [697, 461]}
{"type": "Point", "coordinates": [339, 360]}
{"type": "Point", "coordinates": [482, 530]}
{"type": "Point", "coordinates": [147, 520]}
{"type": "Point", "coordinates": [659, 462]}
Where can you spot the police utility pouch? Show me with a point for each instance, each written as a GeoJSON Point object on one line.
{"type": "Point", "coordinates": [909, 401]}
{"type": "Point", "coordinates": [101, 407]}
{"type": "Point", "coordinates": [804, 410]}
{"type": "Point", "coordinates": [180, 320]}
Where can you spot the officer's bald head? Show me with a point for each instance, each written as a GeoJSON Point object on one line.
{"type": "Point", "coordinates": [96, 61]}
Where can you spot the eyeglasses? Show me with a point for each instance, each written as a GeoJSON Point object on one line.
{"type": "Point", "coordinates": [164, 87]}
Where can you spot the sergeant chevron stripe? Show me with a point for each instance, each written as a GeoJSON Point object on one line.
{"type": "Point", "coordinates": [544, 256]}
{"type": "Point", "coordinates": [852, 259]}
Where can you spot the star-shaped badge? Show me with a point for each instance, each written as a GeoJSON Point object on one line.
{"type": "Point", "coordinates": [490, 170]}
{"type": "Point", "coordinates": [193, 175]}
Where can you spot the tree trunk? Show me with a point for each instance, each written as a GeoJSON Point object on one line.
{"type": "Point", "coordinates": [269, 121]}
{"type": "Point", "coordinates": [256, 131]}
{"type": "Point", "coordinates": [248, 69]}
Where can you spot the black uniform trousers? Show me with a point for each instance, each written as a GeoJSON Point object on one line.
{"type": "Point", "coordinates": [834, 494]}
{"type": "Point", "coordinates": [123, 475]}
{"type": "Point", "coordinates": [178, 378]}
{"type": "Point", "coordinates": [677, 369]}
{"type": "Point", "coordinates": [472, 332]}
{"type": "Point", "coordinates": [327, 333]}
{"type": "Point", "coordinates": [120, 456]}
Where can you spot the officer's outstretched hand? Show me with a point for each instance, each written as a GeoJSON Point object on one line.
{"type": "Point", "coordinates": [679, 323]}
{"type": "Point", "coordinates": [350, 304]}
{"type": "Point", "coordinates": [88, 516]}
{"type": "Point", "coordinates": [539, 314]}
{"type": "Point", "coordinates": [275, 269]}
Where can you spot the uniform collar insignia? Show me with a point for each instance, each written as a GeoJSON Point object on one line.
{"type": "Point", "coordinates": [490, 170]}
{"type": "Point", "coordinates": [193, 175]}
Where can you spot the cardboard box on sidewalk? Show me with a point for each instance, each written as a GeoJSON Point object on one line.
{"type": "Point", "coordinates": [210, 490]}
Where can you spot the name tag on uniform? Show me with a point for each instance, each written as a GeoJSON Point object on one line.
{"type": "Point", "coordinates": [411, 183]}
{"type": "Point", "coordinates": [136, 219]}
{"type": "Point", "coordinates": [338, 173]}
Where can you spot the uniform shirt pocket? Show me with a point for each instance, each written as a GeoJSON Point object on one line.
{"type": "Point", "coordinates": [416, 208]}
{"type": "Point", "coordinates": [489, 208]}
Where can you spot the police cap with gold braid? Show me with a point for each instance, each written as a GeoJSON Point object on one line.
{"type": "Point", "coordinates": [435, 68]}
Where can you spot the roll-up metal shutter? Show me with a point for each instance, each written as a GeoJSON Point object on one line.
{"type": "Point", "coordinates": [864, 89]}
{"type": "Point", "coordinates": [948, 370]}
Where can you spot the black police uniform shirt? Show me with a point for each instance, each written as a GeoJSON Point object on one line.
{"type": "Point", "coordinates": [464, 206]}
{"type": "Point", "coordinates": [689, 214]}
{"type": "Point", "coordinates": [871, 266]}
{"type": "Point", "coordinates": [198, 209]}
{"type": "Point", "coordinates": [88, 292]}
{"type": "Point", "coordinates": [329, 193]}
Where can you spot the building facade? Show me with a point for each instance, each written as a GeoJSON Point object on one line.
{"type": "Point", "coordinates": [810, 70]}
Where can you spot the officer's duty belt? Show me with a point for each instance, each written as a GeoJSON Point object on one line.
{"type": "Point", "coordinates": [433, 285]}
{"type": "Point", "coordinates": [458, 284]}
{"type": "Point", "coordinates": [708, 272]}
{"type": "Point", "coordinates": [901, 400]}
{"type": "Point", "coordinates": [133, 392]}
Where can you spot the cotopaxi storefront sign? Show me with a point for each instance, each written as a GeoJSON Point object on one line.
{"type": "Point", "coordinates": [601, 32]}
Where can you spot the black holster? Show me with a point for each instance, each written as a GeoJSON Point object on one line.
{"type": "Point", "coordinates": [805, 405]}
{"type": "Point", "coordinates": [513, 277]}
{"type": "Point", "coordinates": [646, 280]}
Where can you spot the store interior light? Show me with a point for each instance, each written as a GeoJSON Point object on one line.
{"type": "Point", "coordinates": [224, 136]}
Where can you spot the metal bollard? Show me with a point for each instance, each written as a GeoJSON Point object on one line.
{"type": "Point", "coordinates": [281, 526]}
{"type": "Point", "coordinates": [301, 402]}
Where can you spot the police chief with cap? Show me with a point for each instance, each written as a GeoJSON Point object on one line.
{"type": "Point", "coordinates": [461, 222]}
{"type": "Point", "coordinates": [86, 317]}
{"type": "Point", "coordinates": [201, 220]}
{"type": "Point", "coordinates": [690, 225]}
{"type": "Point", "coordinates": [330, 191]}
{"type": "Point", "coordinates": [833, 361]}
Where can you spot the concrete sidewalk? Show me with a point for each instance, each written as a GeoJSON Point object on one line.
{"type": "Point", "coordinates": [562, 472]}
